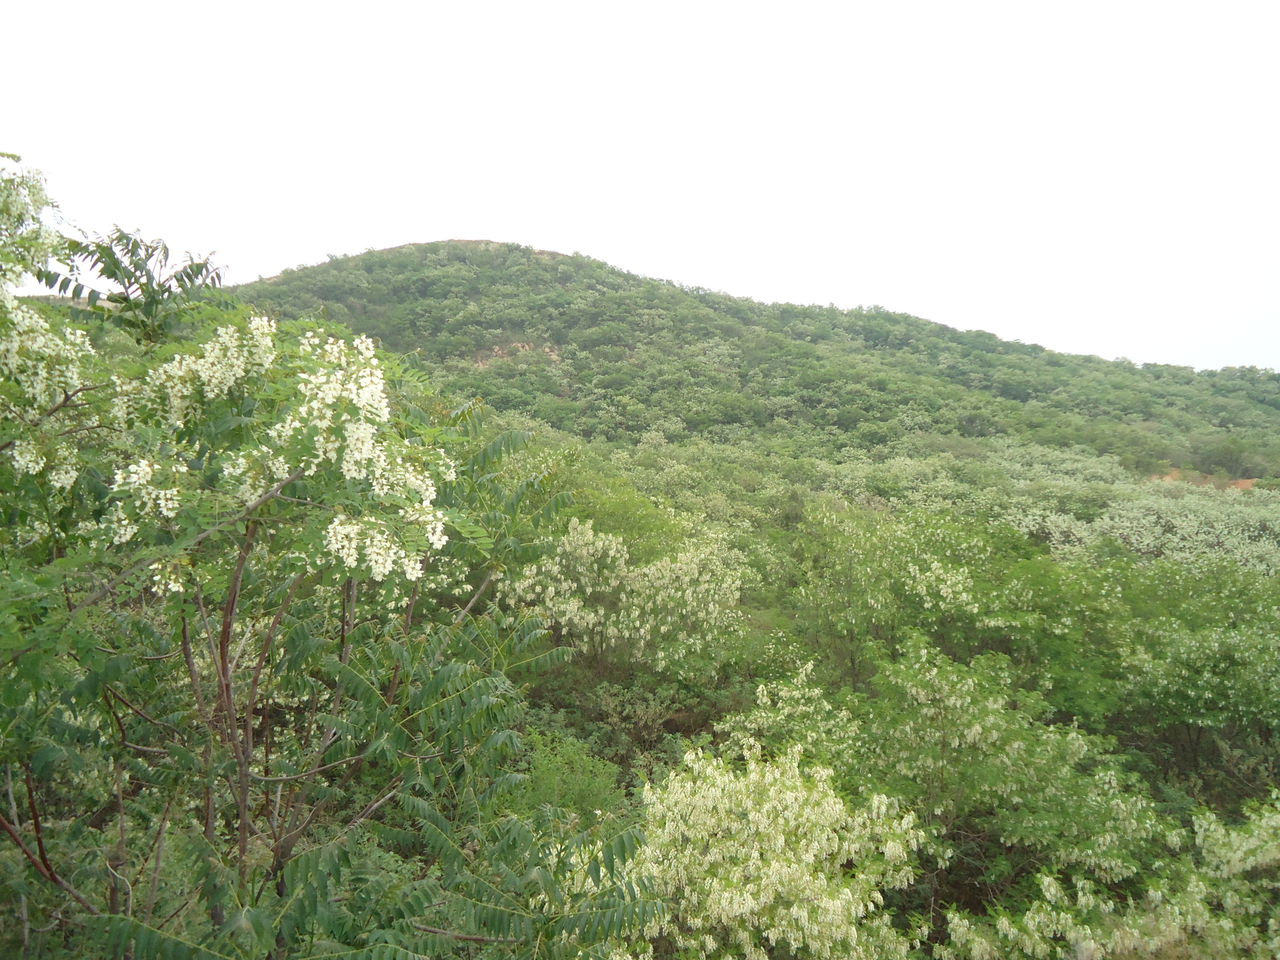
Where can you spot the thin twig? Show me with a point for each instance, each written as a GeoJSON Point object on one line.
{"type": "Point", "coordinates": [66, 399]}
{"type": "Point", "coordinates": [158, 850]}
{"type": "Point", "coordinates": [474, 597]}
{"type": "Point", "coordinates": [227, 699]}
{"type": "Point", "coordinates": [308, 773]}
{"type": "Point", "coordinates": [468, 937]}
{"type": "Point", "coordinates": [194, 672]}
{"type": "Point", "coordinates": [22, 897]}
{"type": "Point", "coordinates": [267, 643]}
{"type": "Point", "coordinates": [138, 710]}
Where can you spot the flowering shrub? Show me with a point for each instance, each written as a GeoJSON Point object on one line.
{"type": "Point", "coordinates": [1074, 501]}
{"type": "Point", "coordinates": [769, 857]}
{"type": "Point", "coordinates": [680, 613]}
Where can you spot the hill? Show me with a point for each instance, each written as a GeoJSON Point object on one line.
{"type": "Point", "coordinates": [930, 567]}
{"type": "Point", "coordinates": [607, 354]}
{"type": "Point", "coordinates": [811, 633]}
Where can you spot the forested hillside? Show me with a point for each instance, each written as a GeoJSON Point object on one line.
{"type": "Point", "coordinates": [725, 630]}
{"type": "Point", "coordinates": [602, 353]}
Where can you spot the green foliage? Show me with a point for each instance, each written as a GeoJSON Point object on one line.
{"type": "Point", "coordinates": [252, 704]}
{"type": "Point", "coordinates": [603, 353]}
{"type": "Point", "coordinates": [1052, 660]}
{"type": "Point", "coordinates": [149, 297]}
{"type": "Point", "coordinates": [1040, 841]}
{"type": "Point", "coordinates": [562, 772]}
{"type": "Point", "coordinates": [272, 610]}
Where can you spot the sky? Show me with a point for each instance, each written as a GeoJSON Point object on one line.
{"type": "Point", "coordinates": [1098, 178]}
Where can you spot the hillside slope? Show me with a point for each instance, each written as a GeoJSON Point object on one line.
{"type": "Point", "coordinates": [604, 353]}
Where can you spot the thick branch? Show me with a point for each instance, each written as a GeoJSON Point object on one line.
{"type": "Point", "coordinates": [45, 870]}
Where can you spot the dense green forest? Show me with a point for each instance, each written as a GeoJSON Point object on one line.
{"type": "Point", "coordinates": [602, 353]}
{"type": "Point", "coordinates": [468, 600]}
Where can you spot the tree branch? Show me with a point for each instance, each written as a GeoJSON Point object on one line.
{"type": "Point", "coordinates": [307, 773]}
{"type": "Point", "coordinates": [267, 643]}
{"type": "Point", "coordinates": [488, 579]}
{"type": "Point", "coordinates": [467, 937]}
{"type": "Point", "coordinates": [44, 869]}
{"type": "Point", "coordinates": [67, 397]}
{"type": "Point", "coordinates": [199, 539]}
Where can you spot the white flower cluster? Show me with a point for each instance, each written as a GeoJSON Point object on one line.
{"type": "Point", "coordinates": [165, 578]}
{"type": "Point", "coordinates": [1047, 791]}
{"type": "Point", "coordinates": [27, 457]}
{"type": "Point", "coordinates": [136, 479]}
{"type": "Point", "coordinates": [39, 360]}
{"type": "Point", "coordinates": [670, 610]}
{"type": "Point", "coordinates": [28, 241]}
{"type": "Point", "coordinates": [60, 466]}
{"type": "Point", "coordinates": [140, 497]}
{"type": "Point", "coordinates": [344, 398]}
{"type": "Point", "coordinates": [122, 526]}
{"type": "Point", "coordinates": [1221, 906]}
{"type": "Point", "coordinates": [254, 471]}
{"type": "Point", "coordinates": [336, 417]}
{"type": "Point", "coordinates": [579, 585]}
{"type": "Point", "coordinates": [41, 363]}
{"type": "Point", "coordinates": [45, 364]}
{"type": "Point", "coordinates": [354, 542]}
{"type": "Point", "coordinates": [1072, 500]}
{"type": "Point", "coordinates": [1211, 679]}
{"type": "Point", "coordinates": [795, 711]}
{"type": "Point", "coordinates": [688, 605]}
{"type": "Point", "coordinates": [1054, 790]}
{"type": "Point", "coordinates": [222, 364]}
{"type": "Point", "coordinates": [856, 595]}
{"type": "Point", "coordinates": [64, 472]}
{"type": "Point", "coordinates": [430, 521]}
{"type": "Point", "coordinates": [758, 859]}
{"type": "Point", "coordinates": [341, 418]}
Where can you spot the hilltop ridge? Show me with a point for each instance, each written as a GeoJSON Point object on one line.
{"type": "Point", "coordinates": [601, 352]}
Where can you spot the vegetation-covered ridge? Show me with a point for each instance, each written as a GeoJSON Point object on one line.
{"type": "Point", "coordinates": [603, 353]}
{"type": "Point", "coordinates": [302, 658]}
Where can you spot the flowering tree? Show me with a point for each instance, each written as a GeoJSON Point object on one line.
{"type": "Point", "coordinates": [1037, 843]}
{"type": "Point", "coordinates": [680, 612]}
{"type": "Point", "coordinates": [250, 703]}
{"type": "Point", "coordinates": [769, 858]}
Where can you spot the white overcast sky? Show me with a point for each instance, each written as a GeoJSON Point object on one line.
{"type": "Point", "coordinates": [1095, 177]}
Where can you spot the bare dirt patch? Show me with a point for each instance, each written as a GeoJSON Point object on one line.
{"type": "Point", "coordinates": [1178, 475]}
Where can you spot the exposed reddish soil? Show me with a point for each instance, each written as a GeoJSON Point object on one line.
{"type": "Point", "coordinates": [1178, 475]}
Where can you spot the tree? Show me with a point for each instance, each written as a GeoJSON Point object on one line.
{"type": "Point", "coordinates": [252, 702]}
{"type": "Point", "coordinates": [1035, 840]}
{"type": "Point", "coordinates": [677, 613]}
{"type": "Point", "coordinates": [769, 859]}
